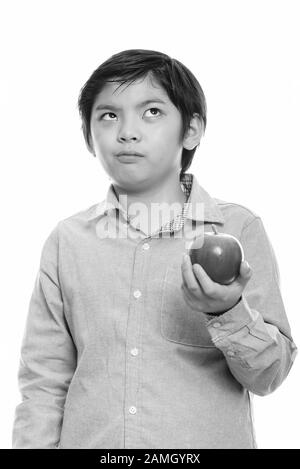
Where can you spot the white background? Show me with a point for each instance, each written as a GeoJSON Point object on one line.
{"type": "Point", "coordinates": [245, 55]}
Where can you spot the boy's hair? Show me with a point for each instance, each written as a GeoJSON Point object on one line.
{"type": "Point", "coordinates": [176, 79]}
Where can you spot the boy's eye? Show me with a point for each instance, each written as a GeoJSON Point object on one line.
{"type": "Point", "coordinates": [107, 113]}
{"type": "Point", "coordinates": [155, 109]}
{"type": "Point", "coordinates": [113, 114]}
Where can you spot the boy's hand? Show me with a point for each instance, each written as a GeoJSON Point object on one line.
{"type": "Point", "coordinates": [201, 293]}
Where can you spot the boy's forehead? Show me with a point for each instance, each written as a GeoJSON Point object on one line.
{"type": "Point", "coordinates": [144, 88]}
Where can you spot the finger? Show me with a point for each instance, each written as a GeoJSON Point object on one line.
{"type": "Point", "coordinates": [189, 294]}
{"type": "Point", "coordinates": [245, 270]}
{"type": "Point", "coordinates": [188, 274]}
{"type": "Point", "coordinates": [198, 289]}
{"type": "Point", "coordinates": [185, 289]}
{"type": "Point", "coordinates": [245, 273]}
{"type": "Point", "coordinates": [208, 285]}
{"type": "Point", "coordinates": [186, 294]}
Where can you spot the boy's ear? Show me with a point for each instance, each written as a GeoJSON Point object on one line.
{"type": "Point", "coordinates": [194, 133]}
{"type": "Point", "coordinates": [89, 146]}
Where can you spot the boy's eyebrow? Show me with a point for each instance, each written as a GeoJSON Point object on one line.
{"type": "Point", "coordinates": [144, 103]}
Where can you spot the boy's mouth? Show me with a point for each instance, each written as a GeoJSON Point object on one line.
{"type": "Point", "coordinates": [129, 158]}
{"type": "Point", "coordinates": [129, 153]}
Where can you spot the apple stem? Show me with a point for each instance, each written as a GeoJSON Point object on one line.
{"type": "Point", "coordinates": [214, 228]}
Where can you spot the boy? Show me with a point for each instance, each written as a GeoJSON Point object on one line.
{"type": "Point", "coordinates": [126, 344]}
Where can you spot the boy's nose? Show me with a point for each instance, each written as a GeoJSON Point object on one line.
{"type": "Point", "coordinates": [129, 131]}
{"type": "Point", "coordinates": [128, 138]}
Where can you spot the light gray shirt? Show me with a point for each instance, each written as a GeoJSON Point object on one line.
{"type": "Point", "coordinates": [112, 356]}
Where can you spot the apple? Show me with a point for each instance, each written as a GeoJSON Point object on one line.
{"type": "Point", "coordinates": [219, 254]}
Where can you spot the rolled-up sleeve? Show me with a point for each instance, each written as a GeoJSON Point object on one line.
{"type": "Point", "coordinates": [255, 334]}
{"type": "Point", "coordinates": [47, 361]}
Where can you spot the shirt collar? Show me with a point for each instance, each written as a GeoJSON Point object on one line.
{"type": "Point", "coordinates": [210, 211]}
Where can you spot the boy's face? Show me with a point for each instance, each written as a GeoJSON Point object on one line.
{"type": "Point", "coordinates": [126, 124]}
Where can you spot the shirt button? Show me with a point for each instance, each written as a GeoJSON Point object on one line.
{"type": "Point", "coordinates": [134, 352]}
{"type": "Point", "coordinates": [217, 324]}
{"type": "Point", "coordinates": [230, 353]}
{"type": "Point", "coordinates": [132, 410]}
{"type": "Point", "coordinates": [146, 246]}
{"type": "Point", "coordinates": [137, 294]}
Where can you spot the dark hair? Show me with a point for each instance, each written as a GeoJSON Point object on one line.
{"type": "Point", "coordinates": [181, 85]}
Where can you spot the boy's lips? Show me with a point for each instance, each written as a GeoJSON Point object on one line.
{"type": "Point", "coordinates": [129, 158]}
{"type": "Point", "coordinates": [129, 153]}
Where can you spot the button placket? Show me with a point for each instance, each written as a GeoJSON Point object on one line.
{"type": "Point", "coordinates": [133, 340]}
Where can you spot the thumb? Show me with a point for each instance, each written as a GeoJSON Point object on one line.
{"type": "Point", "coordinates": [245, 271]}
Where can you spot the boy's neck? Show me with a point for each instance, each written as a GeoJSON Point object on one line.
{"type": "Point", "coordinates": [166, 195]}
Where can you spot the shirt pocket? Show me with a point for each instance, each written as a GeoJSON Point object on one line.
{"type": "Point", "coordinates": [179, 322]}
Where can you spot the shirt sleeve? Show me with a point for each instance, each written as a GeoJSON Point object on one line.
{"type": "Point", "coordinates": [47, 361]}
{"type": "Point", "coordinates": [255, 335]}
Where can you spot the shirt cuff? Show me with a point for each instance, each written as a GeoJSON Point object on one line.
{"type": "Point", "coordinates": [231, 321]}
